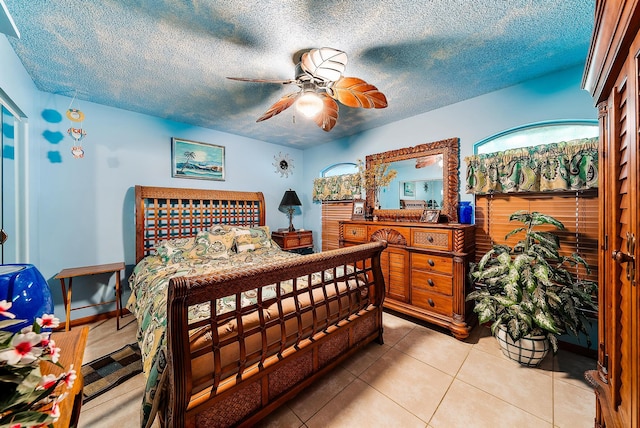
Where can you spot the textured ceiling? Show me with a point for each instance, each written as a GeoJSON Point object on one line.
{"type": "Point", "coordinates": [169, 58]}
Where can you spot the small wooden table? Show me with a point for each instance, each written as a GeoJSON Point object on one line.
{"type": "Point", "coordinates": [71, 344]}
{"type": "Point", "coordinates": [299, 241]}
{"type": "Point", "coordinates": [90, 270]}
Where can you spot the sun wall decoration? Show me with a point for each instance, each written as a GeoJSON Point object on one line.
{"type": "Point", "coordinates": [283, 164]}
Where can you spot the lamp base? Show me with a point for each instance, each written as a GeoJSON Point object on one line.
{"type": "Point", "coordinates": [291, 228]}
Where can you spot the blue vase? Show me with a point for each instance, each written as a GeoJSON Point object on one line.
{"type": "Point", "coordinates": [24, 286]}
{"type": "Point", "coordinates": [465, 212]}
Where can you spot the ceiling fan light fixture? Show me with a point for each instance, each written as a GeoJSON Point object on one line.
{"type": "Point", "coordinates": [309, 104]}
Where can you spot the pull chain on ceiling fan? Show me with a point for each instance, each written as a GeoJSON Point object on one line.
{"type": "Point", "coordinates": [319, 76]}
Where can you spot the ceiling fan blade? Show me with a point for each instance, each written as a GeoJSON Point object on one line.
{"type": "Point", "coordinates": [328, 117]}
{"type": "Point", "coordinates": [246, 79]}
{"type": "Point", "coordinates": [355, 92]}
{"type": "Point", "coordinates": [281, 105]}
{"type": "Point", "coordinates": [326, 64]}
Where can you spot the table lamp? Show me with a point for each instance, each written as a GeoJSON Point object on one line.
{"type": "Point", "coordinates": [287, 204]}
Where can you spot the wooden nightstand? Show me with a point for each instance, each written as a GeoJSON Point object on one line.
{"type": "Point", "coordinates": [299, 241]}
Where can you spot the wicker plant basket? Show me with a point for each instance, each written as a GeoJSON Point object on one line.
{"type": "Point", "coordinates": [528, 351]}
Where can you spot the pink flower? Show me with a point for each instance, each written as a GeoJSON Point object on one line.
{"type": "Point", "coordinates": [4, 306]}
{"type": "Point", "coordinates": [48, 321]}
{"type": "Point", "coordinates": [54, 354]}
{"type": "Point", "coordinates": [70, 377]}
{"type": "Point", "coordinates": [55, 411]}
{"type": "Point", "coordinates": [45, 341]}
{"type": "Point", "coordinates": [23, 349]}
{"type": "Point", "coordinates": [47, 381]}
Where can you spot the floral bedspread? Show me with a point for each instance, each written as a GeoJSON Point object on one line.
{"type": "Point", "coordinates": [148, 302]}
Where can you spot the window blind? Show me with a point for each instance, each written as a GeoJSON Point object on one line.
{"type": "Point", "coordinates": [578, 211]}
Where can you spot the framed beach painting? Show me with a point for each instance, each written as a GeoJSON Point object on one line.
{"type": "Point", "coordinates": [409, 188]}
{"type": "Point", "coordinates": [191, 159]}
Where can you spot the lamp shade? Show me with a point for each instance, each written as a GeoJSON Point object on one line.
{"type": "Point", "coordinates": [290, 199]}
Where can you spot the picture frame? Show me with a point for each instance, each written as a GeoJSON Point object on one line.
{"type": "Point", "coordinates": [430, 216]}
{"type": "Point", "coordinates": [409, 188]}
{"type": "Point", "coordinates": [196, 160]}
{"type": "Point", "coordinates": [358, 209]}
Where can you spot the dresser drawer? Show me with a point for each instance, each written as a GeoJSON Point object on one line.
{"type": "Point", "coordinates": [434, 302]}
{"type": "Point", "coordinates": [355, 232]}
{"type": "Point", "coordinates": [435, 239]}
{"type": "Point", "coordinates": [432, 263]}
{"type": "Point", "coordinates": [430, 281]}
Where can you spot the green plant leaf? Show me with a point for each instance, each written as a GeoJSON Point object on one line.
{"type": "Point", "coordinates": [539, 218]}
{"type": "Point", "coordinates": [544, 321]}
{"type": "Point", "coordinates": [514, 232]}
{"type": "Point", "coordinates": [546, 239]}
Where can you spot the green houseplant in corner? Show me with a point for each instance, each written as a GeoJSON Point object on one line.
{"type": "Point", "coordinates": [529, 293]}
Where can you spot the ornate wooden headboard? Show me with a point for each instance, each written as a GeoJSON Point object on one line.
{"type": "Point", "coordinates": [167, 213]}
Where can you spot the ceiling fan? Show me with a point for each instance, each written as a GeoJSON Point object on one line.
{"type": "Point", "coordinates": [319, 76]}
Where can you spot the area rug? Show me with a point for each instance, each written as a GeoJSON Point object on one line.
{"type": "Point", "coordinates": [110, 371]}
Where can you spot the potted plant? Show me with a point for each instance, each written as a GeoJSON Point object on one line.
{"type": "Point", "coordinates": [529, 293]}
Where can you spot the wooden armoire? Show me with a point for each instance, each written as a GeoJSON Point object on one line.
{"type": "Point", "coordinates": [612, 76]}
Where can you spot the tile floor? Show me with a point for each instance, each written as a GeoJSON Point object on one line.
{"type": "Point", "coordinates": [420, 377]}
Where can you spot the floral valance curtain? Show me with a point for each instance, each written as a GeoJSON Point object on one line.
{"type": "Point", "coordinates": [567, 165]}
{"type": "Point", "coordinates": [336, 188]}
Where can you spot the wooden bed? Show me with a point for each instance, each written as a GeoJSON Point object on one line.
{"type": "Point", "coordinates": [279, 345]}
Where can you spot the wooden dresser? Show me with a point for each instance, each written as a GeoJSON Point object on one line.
{"type": "Point", "coordinates": [425, 268]}
{"type": "Point", "coordinates": [613, 79]}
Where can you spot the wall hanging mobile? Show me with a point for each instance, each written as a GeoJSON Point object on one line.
{"type": "Point", "coordinates": [76, 131]}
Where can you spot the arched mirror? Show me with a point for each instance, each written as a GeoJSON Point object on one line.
{"type": "Point", "coordinates": [426, 173]}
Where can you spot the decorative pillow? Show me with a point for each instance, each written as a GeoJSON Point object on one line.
{"type": "Point", "coordinates": [173, 250]}
{"type": "Point", "coordinates": [227, 236]}
{"type": "Point", "coordinates": [252, 238]}
{"type": "Point", "coordinates": [211, 246]}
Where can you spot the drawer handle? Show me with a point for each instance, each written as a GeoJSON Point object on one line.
{"type": "Point", "coordinates": [353, 232]}
{"type": "Point", "coordinates": [430, 239]}
{"type": "Point", "coordinates": [431, 303]}
{"type": "Point", "coordinates": [431, 262]}
{"type": "Point", "coordinates": [430, 282]}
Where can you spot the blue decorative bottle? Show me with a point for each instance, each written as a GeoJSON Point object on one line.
{"type": "Point", "coordinates": [27, 290]}
{"type": "Point", "coordinates": [465, 212]}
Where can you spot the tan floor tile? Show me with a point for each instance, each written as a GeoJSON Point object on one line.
{"type": "Point", "coordinates": [283, 417]}
{"type": "Point", "coordinates": [119, 408]}
{"type": "Point", "coordinates": [360, 405]}
{"type": "Point", "coordinates": [414, 385]}
{"type": "Point", "coordinates": [135, 384]}
{"type": "Point", "coordinates": [570, 368]}
{"type": "Point", "coordinates": [437, 349]}
{"type": "Point", "coordinates": [526, 388]}
{"type": "Point", "coordinates": [307, 403]}
{"type": "Point", "coordinates": [574, 406]}
{"type": "Point", "coordinates": [469, 407]}
{"type": "Point", "coordinates": [104, 338]}
{"type": "Point", "coordinates": [363, 359]}
{"type": "Point", "coordinates": [395, 328]}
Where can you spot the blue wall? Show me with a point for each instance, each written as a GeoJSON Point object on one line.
{"type": "Point", "coordinates": [81, 211]}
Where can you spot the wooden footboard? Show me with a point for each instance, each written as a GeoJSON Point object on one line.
{"type": "Point", "coordinates": [235, 367]}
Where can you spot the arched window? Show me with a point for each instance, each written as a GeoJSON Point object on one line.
{"type": "Point", "coordinates": [536, 134]}
{"type": "Point", "coordinates": [339, 169]}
